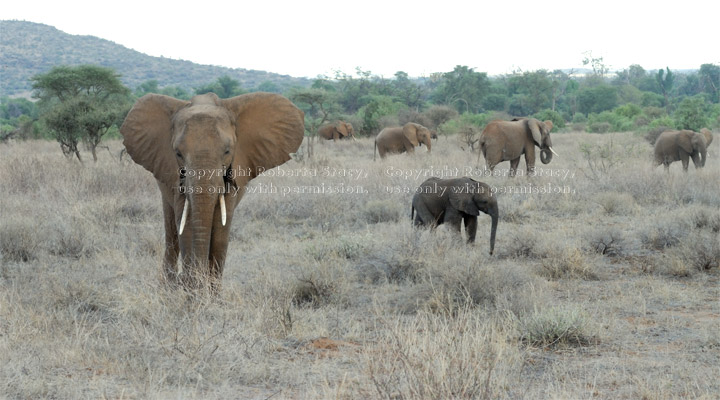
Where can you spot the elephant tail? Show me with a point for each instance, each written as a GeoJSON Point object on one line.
{"type": "Point", "coordinates": [375, 150]}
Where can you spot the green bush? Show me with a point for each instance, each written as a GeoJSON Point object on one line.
{"type": "Point", "coordinates": [608, 121]}
{"type": "Point", "coordinates": [690, 114]}
{"type": "Point", "coordinates": [554, 116]}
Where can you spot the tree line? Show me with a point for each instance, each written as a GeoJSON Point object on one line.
{"type": "Point", "coordinates": [86, 103]}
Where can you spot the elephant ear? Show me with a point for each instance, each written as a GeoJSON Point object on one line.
{"type": "Point", "coordinates": [410, 132]}
{"type": "Point", "coordinates": [534, 126]}
{"type": "Point", "coordinates": [685, 140]}
{"type": "Point", "coordinates": [463, 202]}
{"type": "Point", "coordinates": [147, 135]}
{"type": "Point", "coordinates": [342, 128]}
{"type": "Point", "coordinates": [548, 124]}
{"type": "Point", "coordinates": [708, 136]}
{"type": "Point", "coordinates": [268, 127]}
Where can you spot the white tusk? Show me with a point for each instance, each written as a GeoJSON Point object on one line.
{"type": "Point", "coordinates": [553, 151]}
{"type": "Point", "coordinates": [223, 213]}
{"type": "Point", "coordinates": [184, 216]}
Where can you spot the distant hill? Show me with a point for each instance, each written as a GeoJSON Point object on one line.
{"type": "Point", "coordinates": [28, 48]}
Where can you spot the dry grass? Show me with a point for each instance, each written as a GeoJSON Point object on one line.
{"type": "Point", "coordinates": [604, 283]}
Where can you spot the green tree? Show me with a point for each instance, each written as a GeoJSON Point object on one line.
{"type": "Point", "coordinates": [407, 91]}
{"type": "Point", "coordinates": [531, 91]}
{"type": "Point", "coordinates": [710, 81]}
{"type": "Point", "coordinates": [225, 87]}
{"type": "Point", "coordinates": [690, 114]}
{"type": "Point", "coordinates": [80, 103]}
{"type": "Point", "coordinates": [596, 99]}
{"type": "Point", "coordinates": [463, 88]}
{"type": "Point", "coordinates": [665, 81]}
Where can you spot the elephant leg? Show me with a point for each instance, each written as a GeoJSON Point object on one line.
{"type": "Point", "coordinates": [685, 158]}
{"type": "Point", "coordinates": [530, 160]}
{"type": "Point", "coordinates": [454, 219]}
{"type": "Point", "coordinates": [172, 245]}
{"type": "Point", "coordinates": [513, 166]}
{"type": "Point", "coordinates": [218, 253]}
{"type": "Point", "coordinates": [424, 217]}
{"type": "Point", "coordinates": [409, 148]}
{"type": "Point", "coordinates": [471, 227]}
{"type": "Point", "coordinates": [696, 160]}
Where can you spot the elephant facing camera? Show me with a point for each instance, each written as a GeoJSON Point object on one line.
{"type": "Point", "coordinates": [192, 148]}
{"type": "Point", "coordinates": [455, 201]}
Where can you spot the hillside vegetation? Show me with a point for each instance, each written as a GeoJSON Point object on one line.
{"type": "Point", "coordinates": [28, 48]}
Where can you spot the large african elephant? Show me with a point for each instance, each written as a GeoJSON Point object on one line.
{"type": "Point", "coordinates": [402, 139]}
{"type": "Point", "coordinates": [338, 130]}
{"type": "Point", "coordinates": [682, 145]}
{"type": "Point", "coordinates": [508, 140]}
{"type": "Point", "coordinates": [437, 201]}
{"type": "Point", "coordinates": [202, 153]}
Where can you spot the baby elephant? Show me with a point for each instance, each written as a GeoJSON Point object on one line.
{"type": "Point", "coordinates": [452, 201]}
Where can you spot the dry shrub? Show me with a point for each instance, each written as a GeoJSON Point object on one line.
{"type": "Point", "coordinates": [461, 281]}
{"type": "Point", "coordinates": [608, 241]}
{"type": "Point", "coordinates": [567, 262]}
{"type": "Point", "coordinates": [557, 326]}
{"type": "Point", "coordinates": [324, 283]}
{"type": "Point", "coordinates": [614, 203]}
{"type": "Point", "coordinates": [19, 240]}
{"type": "Point", "coordinates": [439, 114]}
{"type": "Point", "coordinates": [522, 244]}
{"type": "Point", "coordinates": [376, 211]}
{"type": "Point", "coordinates": [696, 252]}
{"type": "Point", "coordinates": [343, 247]}
{"type": "Point", "coordinates": [652, 135]}
{"type": "Point", "coordinates": [663, 235]}
{"type": "Point", "coordinates": [432, 357]}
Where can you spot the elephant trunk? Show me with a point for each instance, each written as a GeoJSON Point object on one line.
{"type": "Point", "coordinates": [546, 151]}
{"type": "Point", "coordinates": [494, 215]}
{"type": "Point", "coordinates": [198, 220]}
{"type": "Point", "coordinates": [546, 155]}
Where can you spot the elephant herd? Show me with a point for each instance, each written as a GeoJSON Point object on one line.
{"type": "Point", "coordinates": [203, 152]}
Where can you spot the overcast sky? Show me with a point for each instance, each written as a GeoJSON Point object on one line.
{"type": "Point", "coordinates": [310, 38]}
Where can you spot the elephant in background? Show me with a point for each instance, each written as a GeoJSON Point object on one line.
{"type": "Point", "coordinates": [402, 139]}
{"type": "Point", "coordinates": [338, 130]}
{"type": "Point", "coordinates": [682, 145]}
{"type": "Point", "coordinates": [508, 140]}
{"type": "Point", "coordinates": [202, 153]}
{"type": "Point", "coordinates": [437, 201]}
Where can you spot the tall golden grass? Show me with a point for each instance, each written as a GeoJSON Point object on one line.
{"type": "Point", "coordinates": [604, 283]}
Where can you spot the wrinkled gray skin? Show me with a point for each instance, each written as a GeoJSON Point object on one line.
{"type": "Point", "coordinates": [509, 140]}
{"type": "Point", "coordinates": [683, 145]}
{"type": "Point", "coordinates": [454, 201]}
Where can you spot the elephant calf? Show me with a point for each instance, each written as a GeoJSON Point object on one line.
{"type": "Point", "coordinates": [438, 201]}
{"type": "Point", "coordinates": [672, 146]}
{"type": "Point", "coordinates": [338, 130]}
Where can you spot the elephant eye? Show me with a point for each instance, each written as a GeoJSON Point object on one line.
{"type": "Point", "coordinates": [177, 153]}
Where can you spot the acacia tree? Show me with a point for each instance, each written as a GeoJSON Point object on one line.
{"type": "Point", "coordinates": [463, 88]}
{"type": "Point", "coordinates": [80, 103]}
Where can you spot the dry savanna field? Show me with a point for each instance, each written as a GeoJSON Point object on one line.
{"type": "Point", "coordinates": [603, 285]}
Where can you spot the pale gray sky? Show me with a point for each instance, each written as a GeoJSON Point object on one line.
{"type": "Point", "coordinates": [308, 38]}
